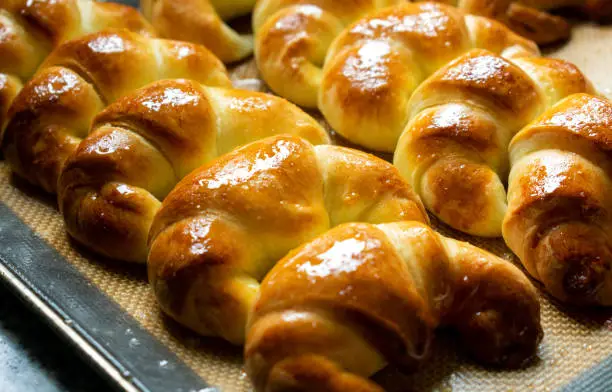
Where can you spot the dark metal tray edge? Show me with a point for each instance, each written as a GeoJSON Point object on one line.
{"type": "Point", "coordinates": [84, 346]}
{"type": "Point", "coordinates": [85, 317]}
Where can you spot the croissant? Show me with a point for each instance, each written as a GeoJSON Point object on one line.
{"type": "Point", "coordinates": [454, 149]}
{"type": "Point", "coordinates": [202, 22]}
{"type": "Point", "coordinates": [559, 200]}
{"type": "Point", "coordinates": [30, 29]}
{"type": "Point", "coordinates": [529, 17]}
{"type": "Point", "coordinates": [225, 225]}
{"type": "Point", "coordinates": [337, 309]}
{"type": "Point", "coordinates": [54, 111]}
{"type": "Point", "coordinates": [372, 66]}
{"type": "Point", "coordinates": [292, 38]}
{"type": "Point", "coordinates": [143, 144]}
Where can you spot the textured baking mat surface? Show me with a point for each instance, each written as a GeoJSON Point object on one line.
{"type": "Point", "coordinates": [573, 344]}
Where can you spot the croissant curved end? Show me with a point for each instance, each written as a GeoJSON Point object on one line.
{"type": "Point", "coordinates": [202, 22]}
{"type": "Point", "coordinates": [574, 261]}
{"type": "Point", "coordinates": [311, 331]}
{"type": "Point", "coordinates": [496, 308]}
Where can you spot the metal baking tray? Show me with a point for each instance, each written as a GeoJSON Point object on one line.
{"type": "Point", "coordinates": [103, 333]}
{"type": "Point", "coordinates": [79, 312]}
{"type": "Point", "coordinates": [96, 326]}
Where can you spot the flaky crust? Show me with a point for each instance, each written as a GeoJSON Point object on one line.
{"type": "Point", "coordinates": [225, 225]}
{"type": "Point", "coordinates": [454, 149]}
{"type": "Point", "coordinates": [54, 111]}
{"type": "Point", "coordinates": [30, 29]}
{"type": "Point", "coordinates": [336, 309]}
{"type": "Point", "coordinates": [143, 144]}
{"type": "Point", "coordinates": [202, 22]}
{"type": "Point", "coordinates": [559, 215]}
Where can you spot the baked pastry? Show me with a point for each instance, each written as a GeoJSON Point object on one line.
{"type": "Point", "coordinates": [530, 18]}
{"type": "Point", "coordinates": [223, 227]}
{"type": "Point", "coordinates": [337, 309]}
{"type": "Point", "coordinates": [30, 29]}
{"type": "Point", "coordinates": [202, 22]}
{"type": "Point", "coordinates": [143, 144]}
{"type": "Point", "coordinates": [560, 200]}
{"type": "Point", "coordinates": [454, 149]}
{"type": "Point", "coordinates": [54, 111]}
{"type": "Point", "coordinates": [374, 65]}
{"type": "Point", "coordinates": [292, 38]}
{"type": "Point", "coordinates": [526, 17]}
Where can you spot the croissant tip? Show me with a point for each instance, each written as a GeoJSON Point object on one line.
{"type": "Point", "coordinates": [584, 278]}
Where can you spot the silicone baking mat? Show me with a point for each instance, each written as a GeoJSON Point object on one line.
{"type": "Point", "coordinates": [107, 311]}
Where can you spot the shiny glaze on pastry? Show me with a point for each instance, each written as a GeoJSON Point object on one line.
{"type": "Point", "coordinates": [376, 65]}
{"type": "Point", "coordinates": [225, 225]}
{"type": "Point", "coordinates": [454, 149]}
{"type": "Point", "coordinates": [335, 310]}
{"type": "Point", "coordinates": [142, 145]}
{"type": "Point", "coordinates": [362, 76]}
{"type": "Point", "coordinates": [559, 200]}
{"type": "Point", "coordinates": [54, 111]}
{"type": "Point", "coordinates": [31, 29]}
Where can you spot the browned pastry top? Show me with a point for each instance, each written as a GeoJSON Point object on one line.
{"type": "Point", "coordinates": [234, 218]}
{"type": "Point", "coordinates": [334, 310]}
{"type": "Point", "coordinates": [139, 147]}
{"type": "Point", "coordinates": [31, 29]}
{"type": "Point", "coordinates": [54, 111]}
{"type": "Point", "coordinates": [375, 65]}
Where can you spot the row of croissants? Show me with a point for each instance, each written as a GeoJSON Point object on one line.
{"type": "Point", "coordinates": [320, 259]}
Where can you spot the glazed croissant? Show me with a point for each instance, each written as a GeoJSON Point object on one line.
{"type": "Point", "coordinates": [223, 227]}
{"type": "Point", "coordinates": [337, 309]}
{"type": "Point", "coordinates": [143, 144]}
{"type": "Point", "coordinates": [454, 149]}
{"type": "Point", "coordinates": [560, 200]}
{"type": "Point", "coordinates": [292, 38]}
{"type": "Point", "coordinates": [54, 111]}
{"type": "Point", "coordinates": [202, 22]}
{"type": "Point", "coordinates": [373, 66]}
{"type": "Point", "coordinates": [30, 29]}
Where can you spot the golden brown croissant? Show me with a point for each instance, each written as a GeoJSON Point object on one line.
{"type": "Point", "coordinates": [454, 149]}
{"type": "Point", "coordinates": [335, 310]}
{"type": "Point", "coordinates": [143, 144]}
{"type": "Point", "coordinates": [30, 29]}
{"type": "Point", "coordinates": [374, 65]}
{"type": "Point", "coordinates": [560, 200]}
{"type": "Point", "coordinates": [54, 111]}
{"type": "Point", "coordinates": [225, 225]}
{"type": "Point", "coordinates": [292, 38]}
{"type": "Point", "coordinates": [202, 22]}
